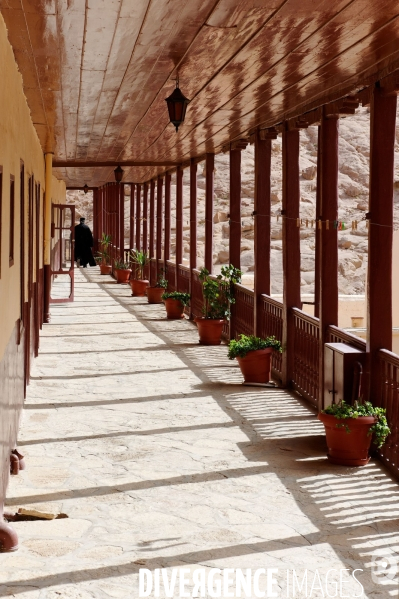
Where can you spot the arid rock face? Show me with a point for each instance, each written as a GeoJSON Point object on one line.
{"type": "Point", "coordinates": [354, 154]}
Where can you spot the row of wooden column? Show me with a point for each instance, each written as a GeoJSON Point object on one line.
{"type": "Point", "coordinates": [379, 292]}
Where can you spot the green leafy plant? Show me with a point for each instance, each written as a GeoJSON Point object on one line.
{"type": "Point", "coordinates": [343, 411]}
{"type": "Point", "coordinates": [103, 253]}
{"type": "Point", "coordinates": [218, 292]}
{"type": "Point", "coordinates": [161, 281]}
{"type": "Point", "coordinates": [183, 298]}
{"type": "Point", "coordinates": [121, 265]}
{"type": "Point", "coordinates": [247, 343]}
{"type": "Point", "coordinates": [140, 259]}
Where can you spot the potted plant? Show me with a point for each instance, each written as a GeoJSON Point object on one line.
{"type": "Point", "coordinates": [122, 271]}
{"type": "Point", "coordinates": [103, 254]}
{"type": "Point", "coordinates": [253, 355]}
{"type": "Point", "coordinates": [218, 294]}
{"type": "Point", "coordinates": [350, 430]}
{"type": "Point", "coordinates": [139, 284]}
{"type": "Point", "coordinates": [175, 302]}
{"type": "Point", "coordinates": [154, 294]}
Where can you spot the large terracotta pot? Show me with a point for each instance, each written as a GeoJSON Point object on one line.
{"type": "Point", "coordinates": [8, 537]}
{"type": "Point", "coordinates": [154, 295]}
{"type": "Point", "coordinates": [348, 448]}
{"type": "Point", "coordinates": [139, 287]}
{"type": "Point", "coordinates": [256, 365]}
{"type": "Point", "coordinates": [122, 274]}
{"type": "Point", "coordinates": [209, 330]}
{"type": "Point", "coordinates": [105, 269]}
{"type": "Point", "coordinates": [174, 309]}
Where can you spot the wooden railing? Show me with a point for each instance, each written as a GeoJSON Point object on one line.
{"type": "Point", "coordinates": [183, 278]}
{"type": "Point", "coordinates": [170, 275]}
{"type": "Point", "coordinates": [153, 271]}
{"type": "Point", "coordinates": [243, 311]}
{"type": "Point", "coordinates": [389, 399]}
{"type": "Point", "coordinates": [336, 335]}
{"type": "Point", "coordinates": [306, 355]}
{"type": "Point", "coordinates": [196, 295]}
{"type": "Point", "coordinates": [271, 323]}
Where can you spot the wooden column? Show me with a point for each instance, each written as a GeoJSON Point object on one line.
{"type": "Point", "coordinates": [122, 221]}
{"type": "Point", "coordinates": [152, 218]}
{"type": "Point", "coordinates": [291, 248]}
{"type": "Point", "coordinates": [193, 224]}
{"type": "Point", "coordinates": [159, 220]}
{"type": "Point", "coordinates": [131, 220]}
{"type": "Point", "coordinates": [328, 312]}
{"type": "Point", "coordinates": [262, 208]}
{"type": "Point", "coordinates": [235, 209]}
{"type": "Point", "coordinates": [209, 192]}
{"type": "Point", "coordinates": [145, 218]}
{"type": "Point", "coordinates": [95, 219]}
{"type": "Point", "coordinates": [138, 217]}
{"type": "Point", "coordinates": [379, 283]}
{"type": "Point", "coordinates": [318, 230]}
{"type": "Point", "coordinates": [47, 237]}
{"type": "Point", "coordinates": [179, 223]}
{"type": "Point", "coordinates": [166, 251]}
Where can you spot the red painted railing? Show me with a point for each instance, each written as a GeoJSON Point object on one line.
{"type": "Point", "coordinates": [170, 275]}
{"type": "Point", "coordinates": [389, 399]}
{"type": "Point", "coordinates": [196, 295]}
{"type": "Point", "coordinates": [153, 271]}
{"type": "Point", "coordinates": [336, 335]}
{"type": "Point", "coordinates": [306, 356]}
{"type": "Point", "coordinates": [183, 279]}
{"type": "Point", "coordinates": [271, 323]}
{"type": "Point", "coordinates": [243, 311]}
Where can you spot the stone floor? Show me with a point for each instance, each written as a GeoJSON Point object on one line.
{"type": "Point", "coordinates": [161, 458]}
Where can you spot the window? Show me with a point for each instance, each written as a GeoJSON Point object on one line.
{"type": "Point", "coordinates": [12, 219]}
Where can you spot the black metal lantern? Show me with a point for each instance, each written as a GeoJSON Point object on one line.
{"type": "Point", "coordinates": [85, 188]}
{"type": "Point", "coordinates": [118, 172]}
{"type": "Point", "coordinates": [177, 106]}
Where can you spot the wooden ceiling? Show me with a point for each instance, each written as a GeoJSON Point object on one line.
{"type": "Point", "coordinates": [96, 72]}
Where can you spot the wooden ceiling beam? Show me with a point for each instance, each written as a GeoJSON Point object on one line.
{"type": "Point", "coordinates": [114, 163]}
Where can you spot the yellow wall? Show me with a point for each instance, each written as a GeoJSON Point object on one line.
{"type": "Point", "coordinates": [19, 141]}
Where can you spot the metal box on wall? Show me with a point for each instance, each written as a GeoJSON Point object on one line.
{"type": "Point", "coordinates": [339, 365]}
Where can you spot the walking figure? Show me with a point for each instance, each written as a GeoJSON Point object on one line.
{"type": "Point", "coordinates": [83, 245]}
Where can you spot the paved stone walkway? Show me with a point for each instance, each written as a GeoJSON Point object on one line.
{"type": "Point", "coordinates": [162, 459]}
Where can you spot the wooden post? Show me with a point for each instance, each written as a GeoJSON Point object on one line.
{"type": "Point", "coordinates": [145, 217]}
{"type": "Point", "coordinates": [291, 248]}
{"type": "Point", "coordinates": [138, 217]}
{"type": "Point", "coordinates": [328, 236]}
{"type": "Point", "coordinates": [95, 219]}
{"type": "Point", "coordinates": [159, 221]}
{"type": "Point", "coordinates": [209, 192]}
{"type": "Point", "coordinates": [379, 283]}
{"type": "Point", "coordinates": [262, 209]}
{"type": "Point", "coordinates": [235, 209]}
{"type": "Point", "coordinates": [131, 238]}
{"type": "Point", "coordinates": [193, 225]}
{"type": "Point", "coordinates": [152, 227]}
{"type": "Point", "coordinates": [47, 237]}
{"type": "Point", "coordinates": [317, 261]}
{"type": "Point", "coordinates": [122, 221]}
{"type": "Point", "coordinates": [166, 251]}
{"type": "Point", "coordinates": [179, 223]}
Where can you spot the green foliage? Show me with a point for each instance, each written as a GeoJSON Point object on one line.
{"type": "Point", "coordinates": [103, 253]}
{"type": "Point", "coordinates": [218, 292]}
{"type": "Point", "coordinates": [246, 343]}
{"type": "Point", "coordinates": [183, 298]}
{"type": "Point", "coordinates": [140, 259]}
{"type": "Point", "coordinates": [121, 265]}
{"type": "Point", "coordinates": [342, 410]}
{"type": "Point", "coordinates": [161, 281]}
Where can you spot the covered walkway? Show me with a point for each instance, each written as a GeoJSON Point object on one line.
{"type": "Point", "coordinates": [160, 458]}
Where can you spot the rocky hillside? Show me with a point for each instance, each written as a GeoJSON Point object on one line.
{"type": "Point", "coordinates": [353, 191]}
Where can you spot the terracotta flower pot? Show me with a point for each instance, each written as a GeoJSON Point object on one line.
{"type": "Point", "coordinates": [8, 537]}
{"type": "Point", "coordinates": [122, 274]}
{"type": "Point", "coordinates": [174, 309]}
{"type": "Point", "coordinates": [256, 365]}
{"type": "Point", "coordinates": [105, 269]}
{"type": "Point", "coordinates": [154, 295]}
{"type": "Point", "coordinates": [139, 287]}
{"type": "Point", "coordinates": [209, 330]}
{"type": "Point", "coordinates": [348, 448]}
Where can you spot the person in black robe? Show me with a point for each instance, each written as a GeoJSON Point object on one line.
{"type": "Point", "coordinates": [83, 244]}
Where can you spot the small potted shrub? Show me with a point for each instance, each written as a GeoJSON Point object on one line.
{"type": "Point", "coordinates": [122, 271]}
{"type": "Point", "coordinates": [139, 284]}
{"type": "Point", "coordinates": [154, 294]}
{"type": "Point", "coordinates": [218, 294]}
{"type": "Point", "coordinates": [103, 255]}
{"type": "Point", "coordinates": [175, 302]}
{"type": "Point", "coordinates": [350, 430]}
{"type": "Point", "coordinates": [253, 355]}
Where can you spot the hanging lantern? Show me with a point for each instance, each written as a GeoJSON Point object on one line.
{"type": "Point", "coordinates": [118, 172]}
{"type": "Point", "coordinates": [85, 188]}
{"type": "Point", "coordinates": [177, 106]}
